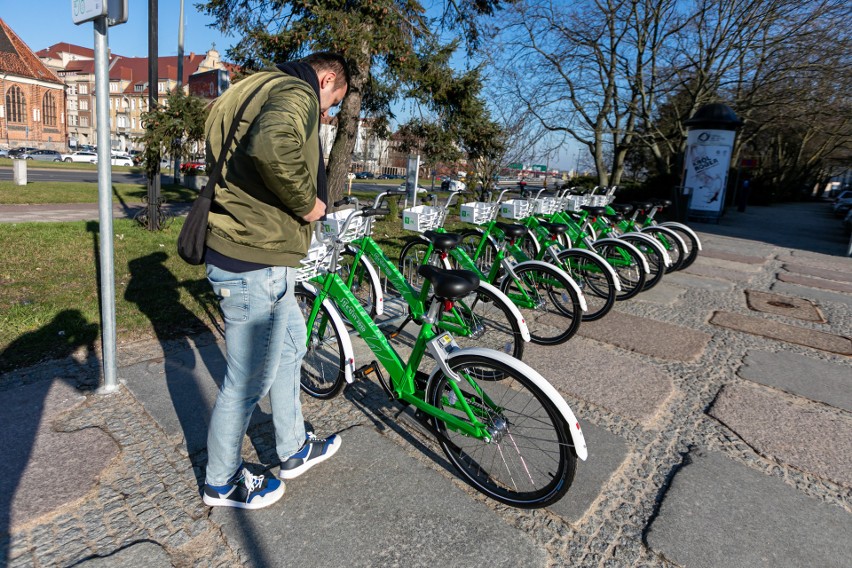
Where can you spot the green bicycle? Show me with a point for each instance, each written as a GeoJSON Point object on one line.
{"type": "Point", "coordinates": [515, 439]}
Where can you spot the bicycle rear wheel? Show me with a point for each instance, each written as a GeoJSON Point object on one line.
{"type": "Point", "coordinates": [548, 302]}
{"type": "Point", "coordinates": [595, 281]}
{"type": "Point", "coordinates": [490, 323]}
{"type": "Point", "coordinates": [673, 244]}
{"type": "Point", "coordinates": [689, 242]}
{"type": "Point", "coordinates": [528, 462]}
{"type": "Point", "coordinates": [470, 240]}
{"type": "Point", "coordinates": [627, 265]}
{"type": "Point", "coordinates": [322, 367]}
{"type": "Point", "coordinates": [654, 256]}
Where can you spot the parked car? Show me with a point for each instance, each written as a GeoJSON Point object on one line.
{"type": "Point", "coordinates": [847, 194]}
{"type": "Point", "coordinates": [42, 156]}
{"type": "Point", "coordinates": [842, 206]}
{"type": "Point", "coordinates": [81, 157]}
{"type": "Point", "coordinates": [20, 152]}
{"type": "Point", "coordinates": [121, 160]}
{"type": "Point", "coordinates": [4, 153]}
{"type": "Point", "coordinates": [847, 222]}
{"type": "Point", "coordinates": [364, 175]}
{"type": "Point", "coordinates": [194, 166]}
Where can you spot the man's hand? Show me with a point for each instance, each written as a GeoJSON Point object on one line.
{"type": "Point", "coordinates": [317, 212]}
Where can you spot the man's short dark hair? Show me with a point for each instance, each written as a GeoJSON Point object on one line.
{"type": "Point", "coordinates": [328, 61]}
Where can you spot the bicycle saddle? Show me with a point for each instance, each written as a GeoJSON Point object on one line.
{"type": "Point", "coordinates": [643, 205]}
{"type": "Point", "coordinates": [662, 202]}
{"type": "Point", "coordinates": [623, 208]}
{"type": "Point", "coordinates": [449, 284]}
{"type": "Point", "coordinates": [512, 231]}
{"type": "Point", "coordinates": [442, 241]}
{"type": "Point", "coordinates": [595, 211]}
{"type": "Point", "coordinates": [554, 228]}
{"type": "Point", "coordinates": [615, 217]}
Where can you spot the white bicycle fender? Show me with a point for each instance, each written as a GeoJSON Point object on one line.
{"type": "Point", "coordinates": [345, 341]}
{"type": "Point", "coordinates": [539, 381]}
{"type": "Point", "coordinates": [375, 282]}
{"type": "Point", "coordinates": [654, 244]}
{"type": "Point", "coordinates": [684, 228]}
{"type": "Point", "coordinates": [522, 324]}
{"type": "Point", "coordinates": [583, 305]}
{"type": "Point", "coordinates": [606, 265]}
{"type": "Point", "coordinates": [618, 243]}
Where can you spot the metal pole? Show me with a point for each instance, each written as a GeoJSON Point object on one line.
{"type": "Point", "coordinates": [179, 80]}
{"type": "Point", "coordinates": [153, 89]}
{"type": "Point", "coordinates": [105, 207]}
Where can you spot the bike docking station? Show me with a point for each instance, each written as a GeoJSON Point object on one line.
{"type": "Point", "coordinates": [104, 13]}
{"type": "Point", "coordinates": [709, 145]}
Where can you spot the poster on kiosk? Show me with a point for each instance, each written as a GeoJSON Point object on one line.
{"type": "Point", "coordinates": [708, 158]}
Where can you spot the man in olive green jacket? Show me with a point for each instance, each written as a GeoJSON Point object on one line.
{"type": "Point", "coordinates": [271, 189]}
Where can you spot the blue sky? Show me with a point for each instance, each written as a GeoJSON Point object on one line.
{"type": "Point", "coordinates": [42, 23]}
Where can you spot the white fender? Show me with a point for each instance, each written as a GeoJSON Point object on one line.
{"type": "Point", "coordinates": [624, 244]}
{"type": "Point", "coordinates": [539, 381]}
{"type": "Point", "coordinates": [525, 332]}
{"type": "Point", "coordinates": [375, 282]}
{"type": "Point", "coordinates": [683, 228]}
{"type": "Point", "coordinates": [583, 305]}
{"type": "Point", "coordinates": [654, 244]}
{"type": "Point", "coordinates": [602, 260]}
{"type": "Point", "coordinates": [345, 341]}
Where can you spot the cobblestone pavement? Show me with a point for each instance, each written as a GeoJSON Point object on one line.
{"type": "Point", "coordinates": [149, 492]}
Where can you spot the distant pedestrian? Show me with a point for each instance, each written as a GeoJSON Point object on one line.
{"type": "Point", "coordinates": [271, 190]}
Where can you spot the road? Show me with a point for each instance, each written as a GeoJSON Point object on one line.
{"type": "Point", "coordinates": [85, 176]}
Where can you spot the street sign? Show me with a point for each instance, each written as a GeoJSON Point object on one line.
{"type": "Point", "coordinates": [87, 10]}
{"type": "Point", "coordinates": [516, 166]}
{"type": "Point", "coordinates": [539, 168]}
{"type": "Point", "coordinates": [117, 12]}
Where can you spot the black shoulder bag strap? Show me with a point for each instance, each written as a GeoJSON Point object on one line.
{"type": "Point", "coordinates": [191, 241]}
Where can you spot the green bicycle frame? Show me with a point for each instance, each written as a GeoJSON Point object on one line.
{"type": "Point", "coordinates": [401, 374]}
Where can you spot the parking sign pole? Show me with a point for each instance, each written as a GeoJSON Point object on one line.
{"type": "Point", "coordinates": [107, 271]}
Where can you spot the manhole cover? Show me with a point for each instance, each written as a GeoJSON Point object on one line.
{"type": "Point", "coordinates": [778, 304]}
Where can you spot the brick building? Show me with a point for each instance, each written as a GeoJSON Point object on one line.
{"type": "Point", "coordinates": [32, 107]}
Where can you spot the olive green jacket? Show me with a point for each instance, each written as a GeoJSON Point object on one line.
{"type": "Point", "coordinates": [269, 180]}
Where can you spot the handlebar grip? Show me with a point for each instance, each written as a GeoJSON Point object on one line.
{"type": "Point", "coordinates": [371, 212]}
{"type": "Point", "coordinates": [396, 192]}
{"type": "Point", "coordinates": [345, 201]}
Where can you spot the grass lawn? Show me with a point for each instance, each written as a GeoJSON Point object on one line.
{"type": "Point", "coordinates": [49, 286]}
{"type": "Point", "coordinates": [81, 192]}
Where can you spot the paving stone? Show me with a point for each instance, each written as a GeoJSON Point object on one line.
{"type": "Point", "coordinates": [721, 513]}
{"type": "Point", "coordinates": [815, 282]}
{"type": "Point", "coordinates": [820, 296]}
{"type": "Point", "coordinates": [731, 256]}
{"type": "Point", "coordinates": [716, 262]}
{"type": "Point", "coordinates": [606, 454]}
{"type": "Point", "coordinates": [783, 306]}
{"type": "Point", "coordinates": [783, 332]}
{"type": "Point", "coordinates": [681, 278]}
{"type": "Point", "coordinates": [789, 429]}
{"type": "Point", "coordinates": [663, 294]}
{"type": "Point", "coordinates": [147, 554]}
{"type": "Point", "coordinates": [603, 375]}
{"type": "Point", "coordinates": [359, 499]}
{"type": "Point", "coordinates": [805, 270]}
{"type": "Point", "coordinates": [644, 335]}
{"type": "Point", "coordinates": [822, 381]}
{"type": "Point", "coordinates": [712, 271]}
{"type": "Point", "coordinates": [33, 451]}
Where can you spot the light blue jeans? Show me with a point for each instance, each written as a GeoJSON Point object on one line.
{"type": "Point", "coordinates": [265, 337]}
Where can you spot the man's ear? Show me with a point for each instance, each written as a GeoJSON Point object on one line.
{"type": "Point", "coordinates": [328, 79]}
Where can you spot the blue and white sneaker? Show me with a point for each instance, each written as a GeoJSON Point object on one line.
{"type": "Point", "coordinates": [244, 491]}
{"type": "Point", "coordinates": [313, 451]}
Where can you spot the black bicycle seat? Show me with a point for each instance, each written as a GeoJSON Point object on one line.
{"type": "Point", "coordinates": [643, 205]}
{"type": "Point", "coordinates": [449, 284]}
{"type": "Point", "coordinates": [442, 241]}
{"type": "Point", "coordinates": [512, 231]}
{"type": "Point", "coordinates": [623, 208]}
{"type": "Point", "coordinates": [595, 211]}
{"type": "Point", "coordinates": [554, 228]}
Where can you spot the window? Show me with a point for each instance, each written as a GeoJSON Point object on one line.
{"type": "Point", "coordinates": [16, 105]}
{"type": "Point", "coordinates": [121, 121]}
{"type": "Point", "coordinates": [133, 123]}
{"type": "Point", "coordinates": [124, 104]}
{"type": "Point", "coordinates": [84, 104]}
{"type": "Point", "coordinates": [84, 121]}
{"type": "Point", "coordinates": [161, 87]}
{"type": "Point", "coordinates": [48, 109]}
{"type": "Point", "coordinates": [72, 89]}
{"type": "Point", "coordinates": [72, 120]}
{"type": "Point", "coordinates": [113, 87]}
{"type": "Point", "coordinates": [72, 104]}
{"type": "Point", "coordinates": [132, 104]}
{"type": "Point", "coordinates": [110, 103]}
{"type": "Point", "coordinates": [84, 89]}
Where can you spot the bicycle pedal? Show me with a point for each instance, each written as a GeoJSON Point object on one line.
{"type": "Point", "coordinates": [363, 371]}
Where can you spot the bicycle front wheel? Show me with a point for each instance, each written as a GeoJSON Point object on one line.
{"type": "Point", "coordinates": [653, 255]}
{"type": "Point", "coordinates": [322, 367]}
{"type": "Point", "coordinates": [593, 278]}
{"type": "Point", "coordinates": [627, 265]}
{"type": "Point", "coordinates": [548, 302]}
{"type": "Point", "coordinates": [528, 461]}
{"type": "Point", "coordinates": [470, 242]}
{"type": "Point", "coordinates": [359, 281]}
{"type": "Point", "coordinates": [488, 322]}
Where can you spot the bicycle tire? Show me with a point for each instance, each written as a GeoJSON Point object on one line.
{"type": "Point", "coordinates": [595, 281]}
{"type": "Point", "coordinates": [322, 375]}
{"type": "Point", "coordinates": [493, 323]}
{"type": "Point", "coordinates": [673, 244]}
{"type": "Point", "coordinates": [690, 242]}
{"type": "Point", "coordinates": [528, 462]}
{"type": "Point", "coordinates": [547, 320]}
{"type": "Point", "coordinates": [626, 265]}
{"type": "Point", "coordinates": [413, 256]}
{"type": "Point", "coordinates": [654, 256]}
{"type": "Point", "coordinates": [362, 286]}
{"type": "Point", "coordinates": [470, 240]}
